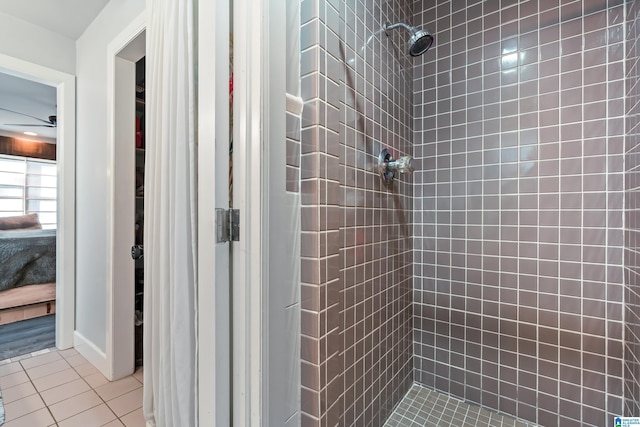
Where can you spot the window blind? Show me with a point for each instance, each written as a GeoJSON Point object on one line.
{"type": "Point", "coordinates": [28, 186]}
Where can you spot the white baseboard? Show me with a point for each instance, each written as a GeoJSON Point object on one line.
{"type": "Point", "coordinates": [93, 354]}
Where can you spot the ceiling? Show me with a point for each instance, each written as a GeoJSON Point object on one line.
{"type": "Point", "coordinates": [66, 17]}
{"type": "Point", "coordinates": [30, 98]}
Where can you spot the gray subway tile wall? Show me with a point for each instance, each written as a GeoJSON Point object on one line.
{"type": "Point", "coordinates": [519, 239]}
{"type": "Point", "coordinates": [519, 288]}
{"type": "Point", "coordinates": [632, 223]}
{"type": "Point", "coordinates": [356, 244]}
{"type": "Point", "coordinates": [293, 153]}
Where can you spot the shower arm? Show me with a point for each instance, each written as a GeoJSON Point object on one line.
{"type": "Point", "coordinates": [371, 37]}
{"type": "Point", "coordinates": [384, 29]}
{"type": "Point", "coordinates": [416, 39]}
{"type": "Point", "coordinates": [388, 27]}
{"type": "Point", "coordinates": [364, 46]}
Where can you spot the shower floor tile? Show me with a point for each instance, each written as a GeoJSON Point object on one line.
{"type": "Point", "coordinates": [424, 407]}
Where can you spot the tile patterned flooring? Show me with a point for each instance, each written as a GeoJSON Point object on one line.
{"type": "Point", "coordinates": [61, 388]}
{"type": "Point", "coordinates": [422, 407]}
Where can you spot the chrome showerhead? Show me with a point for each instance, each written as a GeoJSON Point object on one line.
{"type": "Point", "coordinates": [419, 41]}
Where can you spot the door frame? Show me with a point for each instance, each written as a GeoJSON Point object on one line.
{"type": "Point", "coordinates": [259, 136]}
{"type": "Point", "coordinates": [232, 309]}
{"type": "Point", "coordinates": [122, 53]}
{"type": "Point", "coordinates": [66, 182]}
{"type": "Point", "coordinates": [248, 302]}
{"type": "Point", "coordinates": [214, 279]}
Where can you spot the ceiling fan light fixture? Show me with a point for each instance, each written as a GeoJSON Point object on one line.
{"type": "Point", "coordinates": [52, 121]}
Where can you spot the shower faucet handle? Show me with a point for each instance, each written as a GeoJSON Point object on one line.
{"type": "Point", "coordinates": [387, 167]}
{"type": "Point", "coordinates": [403, 165]}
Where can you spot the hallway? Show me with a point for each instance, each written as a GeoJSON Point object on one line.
{"type": "Point", "coordinates": [61, 388]}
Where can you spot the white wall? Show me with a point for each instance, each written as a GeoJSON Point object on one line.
{"type": "Point", "coordinates": [29, 42]}
{"type": "Point", "coordinates": [93, 191]}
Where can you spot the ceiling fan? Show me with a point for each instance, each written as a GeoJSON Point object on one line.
{"type": "Point", "coordinates": [51, 123]}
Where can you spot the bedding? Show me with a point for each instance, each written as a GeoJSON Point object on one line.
{"type": "Point", "coordinates": [27, 257]}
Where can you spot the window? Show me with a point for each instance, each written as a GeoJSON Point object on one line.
{"type": "Point", "coordinates": [28, 186]}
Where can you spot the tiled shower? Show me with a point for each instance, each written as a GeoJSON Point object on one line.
{"type": "Point", "coordinates": [356, 242]}
{"type": "Point", "coordinates": [504, 272]}
{"type": "Point", "coordinates": [519, 208]}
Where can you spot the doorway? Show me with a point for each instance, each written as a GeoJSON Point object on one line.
{"type": "Point", "coordinates": [137, 249]}
{"type": "Point", "coordinates": [64, 85]}
{"type": "Point", "coordinates": [28, 182]}
{"type": "Point", "coordinates": [125, 336]}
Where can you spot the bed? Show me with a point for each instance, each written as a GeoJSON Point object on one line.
{"type": "Point", "coordinates": [27, 252]}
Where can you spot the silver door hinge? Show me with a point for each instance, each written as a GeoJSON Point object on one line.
{"type": "Point", "coordinates": [227, 225]}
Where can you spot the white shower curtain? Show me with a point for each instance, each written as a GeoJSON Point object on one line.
{"type": "Point", "coordinates": [170, 393]}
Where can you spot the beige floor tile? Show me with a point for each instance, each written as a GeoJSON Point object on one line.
{"type": "Point", "coordinates": [32, 362]}
{"type": "Point", "coordinates": [64, 391]}
{"type": "Point", "coordinates": [64, 381]}
{"type": "Point", "coordinates": [10, 368]}
{"type": "Point", "coordinates": [134, 419]}
{"type": "Point", "coordinates": [139, 374]}
{"type": "Point", "coordinates": [96, 380]}
{"type": "Point", "coordinates": [54, 380]}
{"type": "Point", "coordinates": [118, 388]}
{"type": "Point", "coordinates": [70, 352]}
{"type": "Point", "coordinates": [74, 405]}
{"type": "Point", "coordinates": [23, 406]}
{"type": "Point", "coordinates": [17, 392]}
{"type": "Point", "coordinates": [13, 379]}
{"type": "Point", "coordinates": [76, 360]}
{"type": "Point", "coordinates": [39, 418]}
{"type": "Point", "coordinates": [47, 369]}
{"type": "Point", "coordinates": [94, 417]}
{"type": "Point", "coordinates": [126, 403]}
{"type": "Point", "coordinates": [86, 369]}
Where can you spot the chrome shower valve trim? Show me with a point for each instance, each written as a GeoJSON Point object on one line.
{"type": "Point", "coordinates": [387, 167]}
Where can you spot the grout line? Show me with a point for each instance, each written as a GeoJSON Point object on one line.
{"type": "Point", "coordinates": [91, 388]}
{"type": "Point", "coordinates": [442, 409]}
